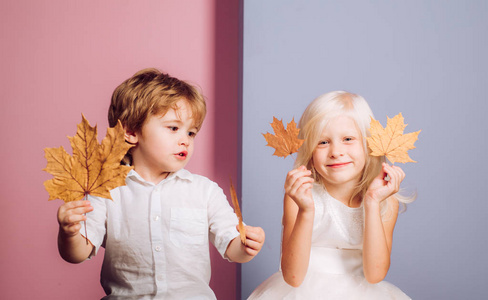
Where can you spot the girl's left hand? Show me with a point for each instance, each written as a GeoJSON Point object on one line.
{"type": "Point", "coordinates": [380, 189]}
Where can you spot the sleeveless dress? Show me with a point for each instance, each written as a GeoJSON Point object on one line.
{"type": "Point", "coordinates": [336, 265]}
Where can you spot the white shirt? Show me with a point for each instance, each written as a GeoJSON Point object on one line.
{"type": "Point", "coordinates": [156, 236]}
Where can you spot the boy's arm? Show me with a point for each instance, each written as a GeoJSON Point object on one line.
{"type": "Point", "coordinates": [237, 252]}
{"type": "Point", "coordinates": [72, 246]}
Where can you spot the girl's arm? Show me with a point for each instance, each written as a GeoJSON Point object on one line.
{"type": "Point", "coordinates": [378, 231]}
{"type": "Point", "coordinates": [72, 246]}
{"type": "Point", "coordinates": [298, 218]}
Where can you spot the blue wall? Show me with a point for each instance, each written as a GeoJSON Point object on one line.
{"type": "Point", "coordinates": [426, 59]}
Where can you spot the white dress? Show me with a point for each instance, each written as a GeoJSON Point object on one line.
{"type": "Point", "coordinates": [336, 265]}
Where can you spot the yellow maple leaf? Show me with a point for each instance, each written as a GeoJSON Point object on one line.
{"type": "Point", "coordinates": [284, 141]}
{"type": "Point", "coordinates": [237, 209]}
{"type": "Point", "coordinates": [390, 141]}
{"type": "Point", "coordinates": [93, 169]}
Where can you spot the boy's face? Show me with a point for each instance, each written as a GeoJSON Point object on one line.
{"type": "Point", "coordinates": [165, 143]}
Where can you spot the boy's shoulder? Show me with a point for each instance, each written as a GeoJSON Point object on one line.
{"type": "Point", "coordinates": [181, 179]}
{"type": "Point", "coordinates": [185, 175]}
{"type": "Point", "coordinates": [198, 185]}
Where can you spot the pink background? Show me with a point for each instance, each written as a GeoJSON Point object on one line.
{"type": "Point", "coordinates": [63, 58]}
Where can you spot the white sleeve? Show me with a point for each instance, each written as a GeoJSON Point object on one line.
{"type": "Point", "coordinates": [222, 220]}
{"type": "Point", "coordinates": [95, 223]}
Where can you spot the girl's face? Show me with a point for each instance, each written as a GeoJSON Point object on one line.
{"type": "Point", "coordinates": [339, 157]}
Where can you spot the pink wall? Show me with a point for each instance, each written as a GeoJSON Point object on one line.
{"type": "Point", "coordinates": [63, 58]}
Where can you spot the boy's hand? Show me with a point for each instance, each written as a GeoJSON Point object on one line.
{"type": "Point", "coordinates": [240, 253]}
{"type": "Point", "coordinates": [254, 240]}
{"type": "Point", "coordinates": [72, 246]}
{"type": "Point", "coordinates": [70, 215]}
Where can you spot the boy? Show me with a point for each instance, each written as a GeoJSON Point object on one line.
{"type": "Point", "coordinates": [156, 230]}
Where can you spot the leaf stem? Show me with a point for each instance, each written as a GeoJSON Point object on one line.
{"type": "Point", "coordinates": [86, 233]}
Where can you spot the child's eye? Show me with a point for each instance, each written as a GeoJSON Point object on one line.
{"type": "Point", "coordinates": [192, 134]}
{"type": "Point", "coordinates": [348, 139]}
{"type": "Point", "coordinates": [323, 142]}
{"type": "Point", "coordinates": [173, 128]}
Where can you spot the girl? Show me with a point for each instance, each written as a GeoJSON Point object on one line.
{"type": "Point", "coordinates": [339, 210]}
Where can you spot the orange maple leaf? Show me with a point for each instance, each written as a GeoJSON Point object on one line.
{"type": "Point", "coordinates": [285, 141]}
{"type": "Point", "coordinates": [93, 169]}
{"type": "Point", "coordinates": [390, 141]}
{"type": "Point", "coordinates": [237, 209]}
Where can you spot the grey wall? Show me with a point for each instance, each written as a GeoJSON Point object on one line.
{"type": "Point", "coordinates": [426, 59]}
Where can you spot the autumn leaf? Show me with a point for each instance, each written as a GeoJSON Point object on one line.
{"type": "Point", "coordinates": [390, 141]}
{"type": "Point", "coordinates": [237, 209]}
{"type": "Point", "coordinates": [285, 141]}
{"type": "Point", "coordinates": [93, 169]}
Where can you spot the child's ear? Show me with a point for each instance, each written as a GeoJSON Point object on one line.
{"type": "Point", "coordinates": [130, 136]}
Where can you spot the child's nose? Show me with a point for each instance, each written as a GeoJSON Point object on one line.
{"type": "Point", "coordinates": [336, 150]}
{"type": "Point", "coordinates": [184, 140]}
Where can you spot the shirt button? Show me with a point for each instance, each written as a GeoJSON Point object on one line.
{"type": "Point", "coordinates": [156, 218]}
{"type": "Point", "coordinates": [157, 248]}
{"type": "Point", "coordinates": [160, 278]}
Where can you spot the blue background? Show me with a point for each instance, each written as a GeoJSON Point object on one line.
{"type": "Point", "coordinates": [426, 59]}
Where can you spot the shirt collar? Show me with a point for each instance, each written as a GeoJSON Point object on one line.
{"type": "Point", "coordinates": [181, 174]}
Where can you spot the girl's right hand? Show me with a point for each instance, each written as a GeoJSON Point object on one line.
{"type": "Point", "coordinates": [380, 189]}
{"type": "Point", "coordinates": [71, 214]}
{"type": "Point", "coordinates": [298, 186]}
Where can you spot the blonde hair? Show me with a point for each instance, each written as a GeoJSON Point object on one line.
{"type": "Point", "coordinates": [317, 116]}
{"type": "Point", "coordinates": [150, 92]}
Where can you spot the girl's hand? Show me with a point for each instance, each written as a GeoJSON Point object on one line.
{"type": "Point", "coordinates": [380, 189]}
{"type": "Point", "coordinates": [254, 240]}
{"type": "Point", "coordinates": [70, 215]}
{"type": "Point", "coordinates": [298, 186]}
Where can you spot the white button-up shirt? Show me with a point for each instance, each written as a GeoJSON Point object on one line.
{"type": "Point", "coordinates": [156, 236]}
